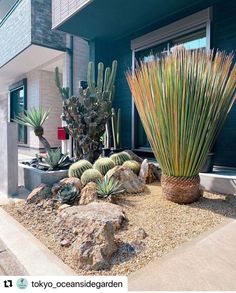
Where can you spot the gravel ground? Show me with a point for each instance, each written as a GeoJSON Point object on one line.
{"type": "Point", "coordinates": [167, 224]}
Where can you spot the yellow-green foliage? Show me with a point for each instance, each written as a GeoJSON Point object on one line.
{"type": "Point", "coordinates": [132, 165]}
{"type": "Point", "coordinates": [103, 165]}
{"type": "Point", "coordinates": [120, 158]}
{"type": "Point", "coordinates": [90, 175]}
{"type": "Point", "coordinates": [78, 168]}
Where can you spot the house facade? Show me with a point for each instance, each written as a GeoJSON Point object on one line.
{"type": "Point", "coordinates": [131, 30]}
{"type": "Point", "coordinates": [29, 53]}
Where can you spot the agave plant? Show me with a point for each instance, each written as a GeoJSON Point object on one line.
{"type": "Point", "coordinates": [35, 119]}
{"type": "Point", "coordinates": [68, 194]}
{"type": "Point", "coordinates": [183, 100]}
{"type": "Point", "coordinates": [108, 186]}
{"type": "Point", "coordinates": [56, 160]}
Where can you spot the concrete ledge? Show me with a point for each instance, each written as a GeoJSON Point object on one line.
{"type": "Point", "coordinates": [36, 259]}
{"type": "Point", "coordinates": [205, 264]}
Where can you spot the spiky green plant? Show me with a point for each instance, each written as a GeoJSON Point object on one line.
{"type": "Point", "coordinates": [90, 175]}
{"type": "Point", "coordinates": [56, 160]}
{"type": "Point", "coordinates": [35, 119]}
{"type": "Point", "coordinates": [108, 186]}
{"type": "Point", "coordinates": [132, 165]}
{"type": "Point", "coordinates": [183, 99]}
{"type": "Point", "coordinates": [120, 158]}
{"type": "Point", "coordinates": [103, 165]}
{"type": "Point", "coordinates": [68, 194]}
{"type": "Point", "coordinates": [78, 168]}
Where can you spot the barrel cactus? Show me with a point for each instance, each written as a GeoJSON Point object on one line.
{"type": "Point", "coordinates": [132, 165]}
{"type": "Point", "coordinates": [68, 194]}
{"type": "Point", "coordinates": [120, 158]}
{"type": "Point", "coordinates": [78, 168]}
{"type": "Point", "coordinates": [103, 165]}
{"type": "Point", "coordinates": [90, 175]}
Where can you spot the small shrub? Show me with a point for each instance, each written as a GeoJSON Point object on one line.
{"type": "Point", "coordinates": [103, 165]}
{"type": "Point", "coordinates": [78, 168]}
{"type": "Point", "coordinates": [90, 175]}
{"type": "Point", "coordinates": [108, 186]}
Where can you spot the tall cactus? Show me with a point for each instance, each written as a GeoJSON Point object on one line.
{"type": "Point", "coordinates": [116, 127]}
{"type": "Point", "coordinates": [86, 115]}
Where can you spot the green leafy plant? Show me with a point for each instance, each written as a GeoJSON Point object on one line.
{"type": "Point", "coordinates": [183, 100]}
{"type": "Point", "coordinates": [108, 186]}
{"type": "Point", "coordinates": [68, 194]}
{"type": "Point", "coordinates": [90, 175]}
{"type": "Point", "coordinates": [78, 168]}
{"type": "Point", "coordinates": [120, 158]}
{"type": "Point", "coordinates": [132, 165]}
{"type": "Point", "coordinates": [103, 165]}
{"type": "Point", "coordinates": [56, 160]}
{"type": "Point", "coordinates": [35, 119]}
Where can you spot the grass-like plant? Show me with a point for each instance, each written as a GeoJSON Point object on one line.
{"type": "Point", "coordinates": [183, 100]}
{"type": "Point", "coordinates": [108, 186]}
{"type": "Point", "coordinates": [35, 119]}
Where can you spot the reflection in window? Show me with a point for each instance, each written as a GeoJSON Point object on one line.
{"type": "Point", "coordinates": [5, 7]}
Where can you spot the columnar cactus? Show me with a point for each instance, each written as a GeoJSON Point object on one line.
{"type": "Point", "coordinates": [120, 158]}
{"type": "Point", "coordinates": [90, 175]}
{"type": "Point", "coordinates": [132, 165]}
{"type": "Point", "coordinates": [103, 165]}
{"type": "Point", "coordinates": [86, 115]}
{"type": "Point", "coordinates": [78, 168]}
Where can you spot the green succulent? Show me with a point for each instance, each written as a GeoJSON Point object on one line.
{"type": "Point", "coordinates": [56, 160]}
{"type": "Point", "coordinates": [90, 175]}
{"type": "Point", "coordinates": [68, 194]}
{"type": "Point", "coordinates": [108, 186]}
{"type": "Point", "coordinates": [78, 168]}
{"type": "Point", "coordinates": [103, 165]}
{"type": "Point", "coordinates": [120, 158]}
{"type": "Point", "coordinates": [132, 165]}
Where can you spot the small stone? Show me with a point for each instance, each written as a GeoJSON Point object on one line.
{"type": "Point", "coordinates": [138, 245]}
{"type": "Point", "coordinates": [128, 180]}
{"type": "Point", "coordinates": [43, 191]}
{"type": "Point", "coordinates": [65, 243]}
{"type": "Point", "coordinates": [88, 193]}
{"type": "Point", "coordinates": [63, 206]}
{"type": "Point", "coordinates": [140, 234]}
{"type": "Point", "coordinates": [149, 172]}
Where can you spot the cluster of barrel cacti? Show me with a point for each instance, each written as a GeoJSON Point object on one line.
{"type": "Point", "coordinates": [86, 115]}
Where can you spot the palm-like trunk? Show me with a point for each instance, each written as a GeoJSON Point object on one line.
{"type": "Point", "coordinates": [45, 143]}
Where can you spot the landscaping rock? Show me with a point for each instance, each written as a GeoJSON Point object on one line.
{"type": "Point", "coordinates": [149, 172]}
{"type": "Point", "coordinates": [140, 234]}
{"type": "Point", "coordinates": [63, 206]}
{"type": "Point", "coordinates": [82, 215]}
{"type": "Point", "coordinates": [88, 193]}
{"type": "Point", "coordinates": [74, 181]}
{"type": "Point", "coordinates": [43, 191]}
{"type": "Point", "coordinates": [128, 180]}
{"type": "Point", "coordinates": [65, 243]}
{"type": "Point", "coordinates": [134, 156]}
{"type": "Point", "coordinates": [95, 246]}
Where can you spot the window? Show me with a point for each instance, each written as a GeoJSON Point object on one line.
{"type": "Point", "coordinates": [5, 7]}
{"type": "Point", "coordinates": [192, 34]}
{"type": "Point", "coordinates": [18, 102]}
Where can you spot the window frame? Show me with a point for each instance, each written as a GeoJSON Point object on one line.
{"type": "Point", "coordinates": [191, 23]}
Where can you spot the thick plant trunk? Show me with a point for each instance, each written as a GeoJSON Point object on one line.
{"type": "Point", "coordinates": [182, 190]}
{"type": "Point", "coordinates": [45, 143]}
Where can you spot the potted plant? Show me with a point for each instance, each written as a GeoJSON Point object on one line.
{"type": "Point", "coordinates": [183, 99]}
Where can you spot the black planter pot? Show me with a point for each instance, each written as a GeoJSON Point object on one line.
{"type": "Point", "coordinates": [208, 166]}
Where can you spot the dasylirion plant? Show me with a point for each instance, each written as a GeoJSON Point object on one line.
{"type": "Point", "coordinates": [86, 115]}
{"type": "Point", "coordinates": [132, 165]}
{"type": "Point", "coordinates": [103, 165]}
{"type": "Point", "coordinates": [120, 158]}
{"type": "Point", "coordinates": [78, 168]}
{"type": "Point", "coordinates": [183, 99]}
{"type": "Point", "coordinates": [68, 194]}
{"type": "Point", "coordinates": [90, 175]}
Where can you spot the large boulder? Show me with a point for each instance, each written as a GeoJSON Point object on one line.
{"type": "Point", "coordinates": [41, 192]}
{"type": "Point", "coordinates": [73, 181]}
{"type": "Point", "coordinates": [149, 172]}
{"type": "Point", "coordinates": [102, 212]}
{"type": "Point", "coordinates": [88, 193]}
{"type": "Point", "coordinates": [94, 246]}
{"type": "Point", "coordinates": [128, 180]}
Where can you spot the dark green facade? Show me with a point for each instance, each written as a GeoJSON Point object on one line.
{"type": "Point", "coordinates": [106, 46]}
